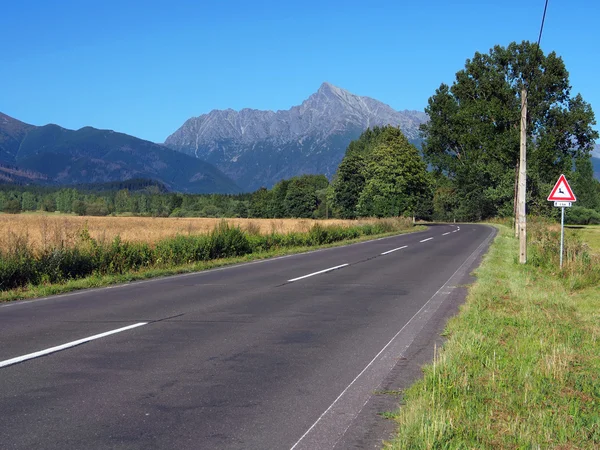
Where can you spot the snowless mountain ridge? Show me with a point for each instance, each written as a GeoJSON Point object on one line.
{"type": "Point", "coordinates": [313, 135]}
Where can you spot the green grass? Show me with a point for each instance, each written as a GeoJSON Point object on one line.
{"type": "Point", "coordinates": [520, 368]}
{"type": "Point", "coordinates": [99, 280]}
{"type": "Point", "coordinates": [590, 234]}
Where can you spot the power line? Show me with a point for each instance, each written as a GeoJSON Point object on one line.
{"type": "Point", "coordinates": [542, 26]}
{"type": "Point", "coordinates": [537, 49]}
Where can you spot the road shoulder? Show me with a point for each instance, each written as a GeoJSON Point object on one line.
{"type": "Point", "coordinates": [372, 427]}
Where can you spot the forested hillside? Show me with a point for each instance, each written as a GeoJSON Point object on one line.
{"type": "Point", "coordinates": [52, 155]}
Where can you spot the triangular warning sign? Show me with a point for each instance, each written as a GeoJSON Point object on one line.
{"type": "Point", "coordinates": [562, 191]}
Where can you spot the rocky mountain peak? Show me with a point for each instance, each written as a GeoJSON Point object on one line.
{"type": "Point", "coordinates": [258, 148]}
{"type": "Point", "coordinates": [330, 91]}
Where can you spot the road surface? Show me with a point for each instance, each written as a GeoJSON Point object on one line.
{"type": "Point", "coordinates": [275, 354]}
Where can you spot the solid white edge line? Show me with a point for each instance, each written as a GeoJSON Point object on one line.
{"type": "Point", "coordinates": [317, 273]}
{"type": "Point", "coordinates": [446, 233]}
{"type": "Point", "coordinates": [390, 341]}
{"type": "Point", "coordinates": [390, 251]}
{"type": "Point", "coordinates": [58, 348]}
{"type": "Point", "coordinates": [425, 240]}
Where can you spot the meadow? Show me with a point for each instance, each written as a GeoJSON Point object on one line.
{"type": "Point", "coordinates": [42, 231]}
{"type": "Point", "coordinates": [590, 234]}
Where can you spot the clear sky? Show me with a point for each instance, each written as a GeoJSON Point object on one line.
{"type": "Point", "coordinates": [144, 67]}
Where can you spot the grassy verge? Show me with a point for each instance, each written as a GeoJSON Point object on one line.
{"type": "Point", "coordinates": [91, 264]}
{"type": "Point", "coordinates": [590, 234]}
{"type": "Point", "coordinates": [521, 366]}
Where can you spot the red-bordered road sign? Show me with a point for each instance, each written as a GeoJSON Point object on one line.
{"type": "Point", "coordinates": [562, 192]}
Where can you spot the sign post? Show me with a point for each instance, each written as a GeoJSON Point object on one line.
{"type": "Point", "coordinates": [562, 196]}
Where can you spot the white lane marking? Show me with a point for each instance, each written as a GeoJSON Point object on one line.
{"type": "Point", "coordinates": [455, 231]}
{"type": "Point", "coordinates": [425, 240]}
{"type": "Point", "coordinates": [446, 233]}
{"type": "Point", "coordinates": [58, 348]}
{"type": "Point", "coordinates": [393, 250]}
{"type": "Point", "coordinates": [318, 273]}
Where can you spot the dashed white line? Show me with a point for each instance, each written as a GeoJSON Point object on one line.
{"type": "Point", "coordinates": [58, 348]}
{"type": "Point", "coordinates": [317, 273]}
{"type": "Point", "coordinates": [393, 250]}
{"type": "Point", "coordinates": [446, 233]}
{"type": "Point", "coordinates": [425, 240]}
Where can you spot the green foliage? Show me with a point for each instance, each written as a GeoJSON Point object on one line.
{"type": "Point", "coordinates": [12, 206]}
{"type": "Point", "coordinates": [382, 175]}
{"type": "Point", "coordinates": [578, 215]}
{"type": "Point", "coordinates": [472, 137]}
{"type": "Point", "coordinates": [348, 183]}
{"type": "Point", "coordinates": [260, 203]}
{"type": "Point", "coordinates": [79, 207]}
{"type": "Point", "coordinates": [585, 186]}
{"type": "Point", "coordinates": [349, 180]}
{"type": "Point", "coordinates": [277, 206]}
{"type": "Point", "coordinates": [48, 204]}
{"type": "Point", "coordinates": [581, 267]}
{"type": "Point", "coordinates": [301, 197]}
{"type": "Point", "coordinates": [146, 198]}
{"type": "Point", "coordinates": [226, 241]}
{"type": "Point", "coordinates": [28, 202]}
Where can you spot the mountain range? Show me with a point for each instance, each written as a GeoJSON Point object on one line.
{"type": "Point", "coordinates": [224, 151]}
{"type": "Point", "coordinates": [56, 156]}
{"type": "Point", "coordinates": [259, 148]}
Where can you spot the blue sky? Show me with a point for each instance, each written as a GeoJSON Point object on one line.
{"type": "Point", "coordinates": [144, 67]}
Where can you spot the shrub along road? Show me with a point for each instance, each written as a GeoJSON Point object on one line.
{"type": "Point", "coordinates": [280, 353]}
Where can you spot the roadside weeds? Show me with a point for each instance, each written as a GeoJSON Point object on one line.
{"type": "Point", "coordinates": [97, 265]}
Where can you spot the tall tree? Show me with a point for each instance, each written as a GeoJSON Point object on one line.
{"type": "Point", "coordinates": [473, 133]}
{"type": "Point", "coordinates": [301, 198]}
{"type": "Point", "coordinates": [396, 179]}
{"type": "Point", "coordinates": [348, 183]}
{"type": "Point", "coordinates": [277, 204]}
{"type": "Point", "coordinates": [260, 203]}
{"type": "Point", "coordinates": [585, 186]}
{"type": "Point", "coordinates": [381, 174]}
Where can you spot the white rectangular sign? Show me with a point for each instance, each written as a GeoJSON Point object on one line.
{"type": "Point", "coordinates": [563, 204]}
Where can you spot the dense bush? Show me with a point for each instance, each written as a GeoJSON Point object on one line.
{"type": "Point", "coordinates": [21, 266]}
{"type": "Point", "coordinates": [582, 216]}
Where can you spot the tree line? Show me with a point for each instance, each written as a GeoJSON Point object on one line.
{"type": "Point", "coordinates": [301, 197]}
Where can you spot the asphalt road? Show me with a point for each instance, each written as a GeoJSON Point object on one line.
{"type": "Point", "coordinates": [253, 356]}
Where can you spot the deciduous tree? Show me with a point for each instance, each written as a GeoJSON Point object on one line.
{"type": "Point", "coordinates": [473, 133]}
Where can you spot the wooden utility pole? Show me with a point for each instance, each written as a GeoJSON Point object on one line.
{"type": "Point", "coordinates": [516, 202]}
{"type": "Point", "coordinates": [522, 220]}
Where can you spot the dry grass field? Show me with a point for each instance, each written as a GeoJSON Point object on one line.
{"type": "Point", "coordinates": [49, 230]}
